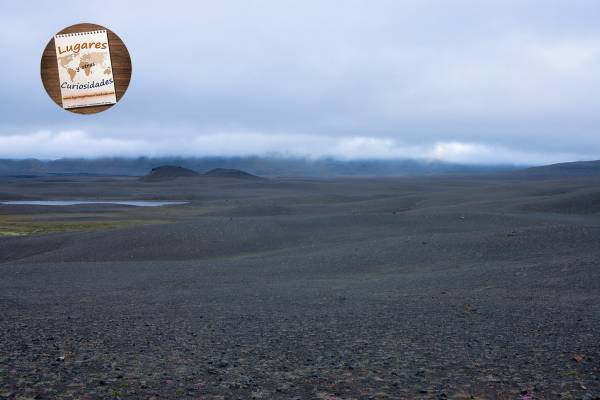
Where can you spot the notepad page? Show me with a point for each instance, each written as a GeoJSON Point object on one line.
{"type": "Point", "coordinates": [85, 69]}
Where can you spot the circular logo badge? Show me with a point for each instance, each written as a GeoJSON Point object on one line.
{"type": "Point", "coordinates": [85, 68]}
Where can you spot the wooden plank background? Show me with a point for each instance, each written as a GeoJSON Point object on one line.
{"type": "Point", "coordinates": [120, 60]}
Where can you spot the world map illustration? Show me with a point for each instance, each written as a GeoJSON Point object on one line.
{"type": "Point", "coordinates": [77, 63]}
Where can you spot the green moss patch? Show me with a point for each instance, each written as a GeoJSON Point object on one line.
{"type": "Point", "coordinates": [9, 227]}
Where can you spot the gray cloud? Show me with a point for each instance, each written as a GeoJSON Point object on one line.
{"type": "Point", "coordinates": [77, 143]}
{"type": "Point", "coordinates": [472, 81]}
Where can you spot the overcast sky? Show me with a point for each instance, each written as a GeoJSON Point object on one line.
{"type": "Point", "coordinates": [464, 81]}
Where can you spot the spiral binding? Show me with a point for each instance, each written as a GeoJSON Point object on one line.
{"type": "Point", "coordinates": [80, 33]}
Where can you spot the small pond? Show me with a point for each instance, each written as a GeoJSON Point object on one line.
{"type": "Point", "coordinates": [136, 203]}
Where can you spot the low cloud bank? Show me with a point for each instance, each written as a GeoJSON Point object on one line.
{"type": "Point", "coordinates": [80, 144]}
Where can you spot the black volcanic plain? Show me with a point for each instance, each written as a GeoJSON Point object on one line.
{"type": "Point", "coordinates": [462, 287]}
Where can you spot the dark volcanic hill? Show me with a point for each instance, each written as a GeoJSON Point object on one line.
{"type": "Point", "coordinates": [170, 172]}
{"type": "Point", "coordinates": [584, 168]}
{"type": "Point", "coordinates": [165, 172]}
{"type": "Point", "coordinates": [229, 173]}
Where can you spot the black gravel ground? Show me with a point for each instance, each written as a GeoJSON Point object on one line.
{"type": "Point", "coordinates": [441, 288]}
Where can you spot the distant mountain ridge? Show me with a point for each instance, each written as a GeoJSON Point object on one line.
{"type": "Point", "coordinates": [261, 166]}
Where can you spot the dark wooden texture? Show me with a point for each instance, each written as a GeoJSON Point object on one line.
{"type": "Point", "coordinates": [120, 60]}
